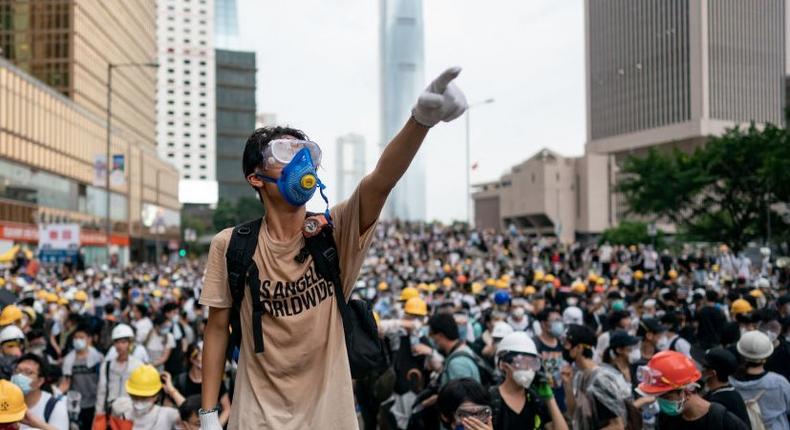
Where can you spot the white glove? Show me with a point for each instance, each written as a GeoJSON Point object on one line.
{"type": "Point", "coordinates": [441, 101]}
{"type": "Point", "coordinates": [210, 421]}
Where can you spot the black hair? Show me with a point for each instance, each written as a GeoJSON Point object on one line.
{"type": "Point", "coordinates": [458, 391]}
{"type": "Point", "coordinates": [43, 369]}
{"type": "Point", "coordinates": [711, 296]}
{"type": "Point", "coordinates": [190, 407]}
{"type": "Point", "coordinates": [543, 315]}
{"type": "Point", "coordinates": [143, 309]}
{"type": "Point", "coordinates": [83, 327]}
{"type": "Point", "coordinates": [169, 307]}
{"type": "Point", "coordinates": [444, 324]}
{"type": "Point", "coordinates": [259, 140]}
{"type": "Point", "coordinates": [109, 308]}
{"type": "Point", "coordinates": [159, 319]}
{"type": "Point", "coordinates": [34, 334]}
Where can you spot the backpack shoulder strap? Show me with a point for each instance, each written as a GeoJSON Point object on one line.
{"type": "Point", "coordinates": [323, 249]}
{"type": "Point", "coordinates": [496, 404]}
{"type": "Point", "coordinates": [238, 259]}
{"type": "Point", "coordinates": [673, 343]}
{"type": "Point", "coordinates": [50, 406]}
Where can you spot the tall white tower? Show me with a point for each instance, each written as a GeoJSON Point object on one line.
{"type": "Point", "coordinates": [402, 79]}
{"type": "Point", "coordinates": [350, 164]}
{"type": "Point", "coordinates": [185, 131]}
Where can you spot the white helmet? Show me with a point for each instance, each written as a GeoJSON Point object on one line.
{"type": "Point", "coordinates": [762, 283]}
{"type": "Point", "coordinates": [501, 329]}
{"type": "Point", "coordinates": [11, 332]}
{"type": "Point", "coordinates": [517, 341]}
{"type": "Point", "coordinates": [122, 331]}
{"type": "Point", "coordinates": [573, 315]}
{"type": "Point", "coordinates": [755, 345]}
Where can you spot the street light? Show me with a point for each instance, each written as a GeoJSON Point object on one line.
{"type": "Point", "coordinates": [468, 165]}
{"type": "Point", "coordinates": [110, 67]}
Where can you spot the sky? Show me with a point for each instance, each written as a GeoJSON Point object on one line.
{"type": "Point", "coordinates": [318, 70]}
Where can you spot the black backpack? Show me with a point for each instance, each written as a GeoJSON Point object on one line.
{"type": "Point", "coordinates": [365, 350]}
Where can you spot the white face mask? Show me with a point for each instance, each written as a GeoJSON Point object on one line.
{"type": "Point", "coordinates": [79, 344]}
{"type": "Point", "coordinates": [523, 377]}
{"type": "Point", "coordinates": [141, 407]}
{"type": "Point", "coordinates": [634, 356]}
{"type": "Point", "coordinates": [572, 301]}
{"type": "Point", "coordinates": [518, 313]}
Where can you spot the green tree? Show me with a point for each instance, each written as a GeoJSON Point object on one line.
{"type": "Point", "coordinates": [630, 233]}
{"type": "Point", "coordinates": [229, 213]}
{"type": "Point", "coordinates": [719, 193]}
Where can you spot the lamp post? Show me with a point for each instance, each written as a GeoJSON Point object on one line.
{"type": "Point", "coordinates": [468, 165]}
{"type": "Point", "coordinates": [108, 161]}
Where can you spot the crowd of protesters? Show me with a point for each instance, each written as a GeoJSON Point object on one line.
{"type": "Point", "coordinates": [483, 330]}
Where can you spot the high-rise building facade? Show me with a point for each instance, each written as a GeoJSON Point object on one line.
{"type": "Point", "coordinates": [226, 24]}
{"type": "Point", "coordinates": [672, 73]}
{"type": "Point", "coordinates": [350, 164]}
{"type": "Point", "coordinates": [186, 95]}
{"type": "Point", "coordinates": [235, 119]}
{"type": "Point", "coordinates": [402, 78]}
{"type": "Point", "coordinates": [53, 113]}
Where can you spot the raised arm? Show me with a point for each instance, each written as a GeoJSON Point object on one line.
{"type": "Point", "coordinates": [441, 101]}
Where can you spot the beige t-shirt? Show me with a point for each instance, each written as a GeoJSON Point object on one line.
{"type": "Point", "coordinates": [302, 379]}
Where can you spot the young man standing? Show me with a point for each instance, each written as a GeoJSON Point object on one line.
{"type": "Point", "coordinates": [81, 373]}
{"type": "Point", "coordinates": [718, 365]}
{"type": "Point", "coordinates": [44, 411]}
{"type": "Point", "coordinates": [302, 380]}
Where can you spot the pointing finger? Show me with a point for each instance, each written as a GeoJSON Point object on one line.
{"type": "Point", "coordinates": [440, 83]}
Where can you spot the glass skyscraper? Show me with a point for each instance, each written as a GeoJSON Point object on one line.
{"type": "Point", "coordinates": [401, 60]}
{"type": "Point", "coordinates": [226, 22]}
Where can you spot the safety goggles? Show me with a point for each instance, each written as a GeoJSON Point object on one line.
{"type": "Point", "coordinates": [280, 152]}
{"type": "Point", "coordinates": [12, 344]}
{"type": "Point", "coordinates": [525, 362]}
{"type": "Point", "coordinates": [482, 413]}
{"type": "Point", "coordinates": [649, 376]}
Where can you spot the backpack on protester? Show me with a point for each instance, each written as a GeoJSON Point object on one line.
{"type": "Point", "coordinates": [364, 347]}
{"type": "Point", "coordinates": [754, 412]}
{"type": "Point", "coordinates": [50, 406]}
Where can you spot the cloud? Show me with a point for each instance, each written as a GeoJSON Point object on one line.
{"type": "Point", "coordinates": [318, 70]}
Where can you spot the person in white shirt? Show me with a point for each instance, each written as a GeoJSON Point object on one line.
{"type": "Point", "coordinates": [49, 412]}
{"type": "Point", "coordinates": [114, 372]}
{"type": "Point", "coordinates": [142, 324]}
{"type": "Point", "coordinates": [80, 373]}
{"type": "Point", "coordinates": [160, 342]}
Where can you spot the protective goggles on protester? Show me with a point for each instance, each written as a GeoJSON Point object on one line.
{"type": "Point", "coordinates": [649, 376]}
{"type": "Point", "coordinates": [482, 413]}
{"type": "Point", "coordinates": [523, 362]}
{"type": "Point", "coordinates": [280, 152]}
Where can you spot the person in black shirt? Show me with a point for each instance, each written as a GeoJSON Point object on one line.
{"type": "Point", "coordinates": [718, 364]}
{"type": "Point", "coordinates": [190, 382]}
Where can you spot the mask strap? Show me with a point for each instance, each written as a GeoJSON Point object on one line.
{"type": "Point", "coordinates": [265, 178]}
{"type": "Point", "coordinates": [321, 188]}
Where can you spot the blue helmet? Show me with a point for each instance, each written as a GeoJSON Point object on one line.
{"type": "Point", "coordinates": [502, 297]}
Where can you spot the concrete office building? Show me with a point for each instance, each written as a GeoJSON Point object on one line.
{"type": "Point", "coordinates": [547, 194]}
{"type": "Point", "coordinates": [350, 164]}
{"type": "Point", "coordinates": [402, 79]}
{"type": "Point", "coordinates": [53, 95]}
{"type": "Point", "coordinates": [186, 95]}
{"type": "Point", "coordinates": [672, 73]}
{"type": "Point", "coordinates": [235, 115]}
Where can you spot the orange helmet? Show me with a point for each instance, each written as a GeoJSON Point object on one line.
{"type": "Point", "coordinates": [667, 371]}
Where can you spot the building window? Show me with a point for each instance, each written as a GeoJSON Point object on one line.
{"type": "Point", "coordinates": [171, 144]}
{"type": "Point", "coordinates": [187, 155]}
{"type": "Point", "coordinates": [170, 155]}
{"type": "Point", "coordinates": [202, 176]}
{"type": "Point", "coordinates": [187, 177]}
{"type": "Point", "coordinates": [202, 167]}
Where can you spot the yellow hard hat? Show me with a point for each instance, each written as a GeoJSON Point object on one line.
{"type": "Point", "coordinates": [383, 286]}
{"type": "Point", "coordinates": [408, 293]}
{"type": "Point", "coordinates": [740, 306]}
{"type": "Point", "coordinates": [447, 282]}
{"type": "Point", "coordinates": [41, 295]}
{"type": "Point", "coordinates": [579, 287]}
{"type": "Point", "coordinates": [505, 278]}
{"type": "Point", "coordinates": [599, 280]}
{"type": "Point", "coordinates": [177, 293]}
{"type": "Point", "coordinates": [447, 268]}
{"type": "Point", "coordinates": [714, 268]}
{"type": "Point", "coordinates": [756, 293]}
{"type": "Point", "coordinates": [592, 277]}
{"type": "Point", "coordinates": [146, 277]}
{"type": "Point", "coordinates": [2, 282]}
{"type": "Point", "coordinates": [432, 287]}
{"type": "Point", "coordinates": [422, 286]}
{"type": "Point", "coordinates": [10, 315]}
{"type": "Point", "coordinates": [477, 288]}
{"type": "Point", "coordinates": [63, 301]}
{"type": "Point", "coordinates": [12, 405]}
{"type": "Point", "coordinates": [144, 381]}
{"type": "Point", "coordinates": [638, 275]}
{"type": "Point", "coordinates": [81, 296]}
{"type": "Point", "coordinates": [416, 306]}
{"type": "Point", "coordinates": [538, 276]}
{"type": "Point", "coordinates": [502, 285]}
{"type": "Point", "coordinates": [673, 274]}
{"type": "Point", "coordinates": [163, 282]}
{"type": "Point", "coordinates": [157, 293]}
{"type": "Point", "coordinates": [490, 282]}
{"type": "Point", "coordinates": [529, 290]}
{"type": "Point", "coordinates": [549, 278]}
{"type": "Point", "coordinates": [52, 298]}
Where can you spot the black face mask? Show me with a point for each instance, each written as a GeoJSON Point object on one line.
{"type": "Point", "coordinates": [566, 355]}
